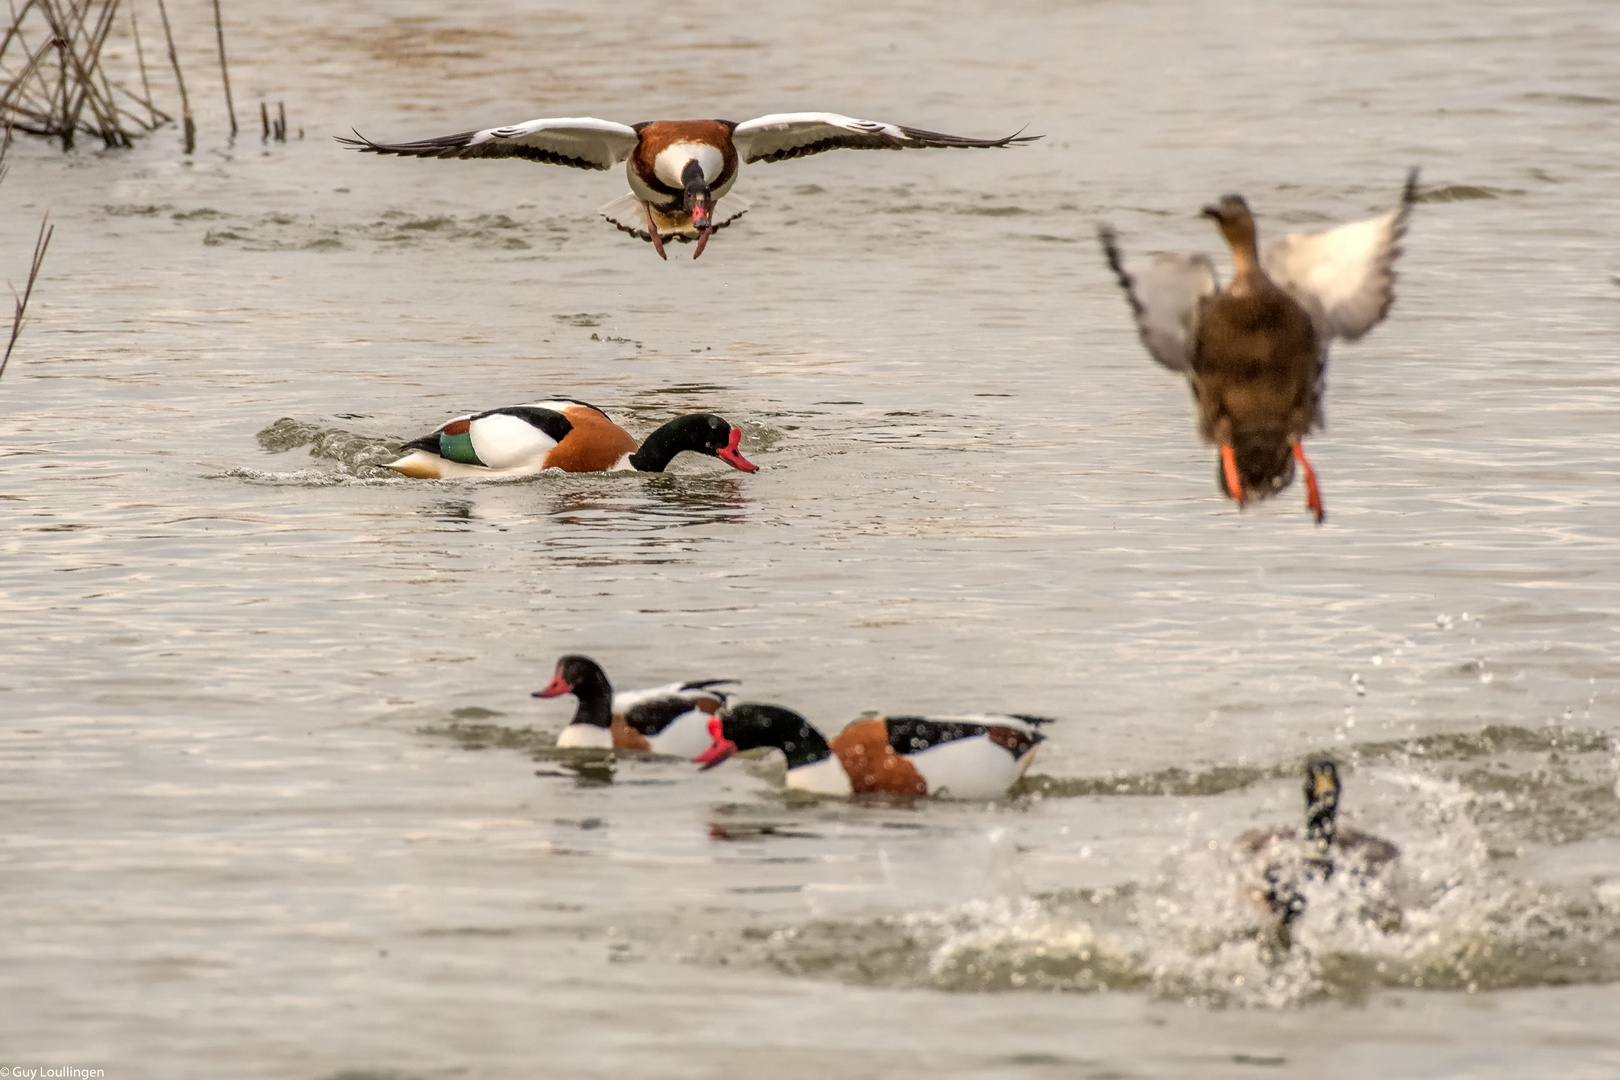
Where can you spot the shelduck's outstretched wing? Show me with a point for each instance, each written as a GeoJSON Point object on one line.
{"type": "Point", "coordinates": [580, 142]}
{"type": "Point", "coordinates": [1344, 277]}
{"type": "Point", "coordinates": [789, 135]}
{"type": "Point", "coordinates": [1164, 291]}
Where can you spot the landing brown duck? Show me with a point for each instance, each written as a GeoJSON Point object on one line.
{"type": "Point", "coordinates": [1256, 351]}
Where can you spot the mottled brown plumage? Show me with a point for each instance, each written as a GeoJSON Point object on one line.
{"type": "Point", "coordinates": [1257, 366]}
{"type": "Point", "coordinates": [1255, 352]}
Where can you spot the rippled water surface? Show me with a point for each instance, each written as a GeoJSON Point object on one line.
{"type": "Point", "coordinates": [278, 803]}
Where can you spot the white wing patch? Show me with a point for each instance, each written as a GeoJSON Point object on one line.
{"type": "Point", "coordinates": [602, 143]}
{"type": "Point", "coordinates": [581, 142]}
{"type": "Point", "coordinates": [503, 441]}
{"type": "Point", "coordinates": [788, 135]}
{"type": "Point", "coordinates": [1164, 291]}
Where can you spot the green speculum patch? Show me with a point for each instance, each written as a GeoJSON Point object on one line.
{"type": "Point", "coordinates": [458, 448]}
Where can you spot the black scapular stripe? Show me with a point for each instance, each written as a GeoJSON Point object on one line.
{"type": "Point", "coordinates": [652, 717]}
{"type": "Point", "coordinates": [554, 424]}
{"type": "Point", "coordinates": [909, 734]}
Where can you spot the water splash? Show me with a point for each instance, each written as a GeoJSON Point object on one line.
{"type": "Point", "coordinates": [355, 452]}
{"type": "Point", "coordinates": [1458, 911]}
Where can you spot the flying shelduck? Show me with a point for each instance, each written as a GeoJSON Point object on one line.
{"type": "Point", "coordinates": [679, 170]}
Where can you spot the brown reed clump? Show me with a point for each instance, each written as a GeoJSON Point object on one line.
{"type": "Point", "coordinates": [52, 79]}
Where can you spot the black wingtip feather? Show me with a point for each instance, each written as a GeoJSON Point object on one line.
{"type": "Point", "coordinates": [1116, 263]}
{"type": "Point", "coordinates": [704, 684]}
{"type": "Point", "coordinates": [1036, 720]}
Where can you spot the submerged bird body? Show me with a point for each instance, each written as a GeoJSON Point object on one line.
{"type": "Point", "coordinates": [1282, 862]}
{"type": "Point", "coordinates": [969, 757]}
{"type": "Point", "coordinates": [1255, 352]}
{"type": "Point", "coordinates": [678, 170]}
{"type": "Point", "coordinates": [561, 433]}
{"type": "Point", "coordinates": [669, 719]}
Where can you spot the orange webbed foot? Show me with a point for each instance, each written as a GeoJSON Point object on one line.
{"type": "Point", "coordinates": [1313, 493]}
{"type": "Point", "coordinates": [1234, 482]}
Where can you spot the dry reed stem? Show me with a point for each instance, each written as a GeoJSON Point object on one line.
{"type": "Point", "coordinates": [224, 70]}
{"type": "Point", "coordinates": [46, 231]}
{"type": "Point", "coordinates": [140, 59]}
{"type": "Point", "coordinates": [190, 125]}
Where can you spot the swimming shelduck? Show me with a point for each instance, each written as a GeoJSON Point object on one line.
{"type": "Point", "coordinates": [671, 719]}
{"type": "Point", "coordinates": [561, 433]}
{"type": "Point", "coordinates": [679, 170]}
{"type": "Point", "coordinates": [1281, 864]}
{"type": "Point", "coordinates": [1256, 351]}
{"type": "Point", "coordinates": [968, 757]}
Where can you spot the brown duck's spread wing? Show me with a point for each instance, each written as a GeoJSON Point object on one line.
{"type": "Point", "coordinates": [789, 135]}
{"type": "Point", "coordinates": [580, 142]}
{"type": "Point", "coordinates": [1164, 291]}
{"type": "Point", "coordinates": [1344, 277]}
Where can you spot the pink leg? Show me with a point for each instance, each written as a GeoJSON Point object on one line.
{"type": "Point", "coordinates": [1313, 494]}
{"type": "Point", "coordinates": [1234, 482]}
{"type": "Point", "coordinates": [652, 231]}
{"type": "Point", "coordinates": [703, 242]}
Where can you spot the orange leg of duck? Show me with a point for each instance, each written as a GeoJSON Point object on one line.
{"type": "Point", "coordinates": [703, 242]}
{"type": "Point", "coordinates": [652, 231]}
{"type": "Point", "coordinates": [1234, 482]}
{"type": "Point", "coordinates": [1313, 494]}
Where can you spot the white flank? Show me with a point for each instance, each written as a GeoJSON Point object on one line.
{"type": "Point", "coordinates": [972, 768]}
{"type": "Point", "coordinates": [686, 736]}
{"type": "Point", "coordinates": [671, 162]}
{"type": "Point", "coordinates": [824, 777]}
{"type": "Point", "coordinates": [508, 444]}
{"type": "Point", "coordinates": [585, 736]}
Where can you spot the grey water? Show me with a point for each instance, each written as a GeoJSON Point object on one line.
{"type": "Point", "coordinates": [277, 803]}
